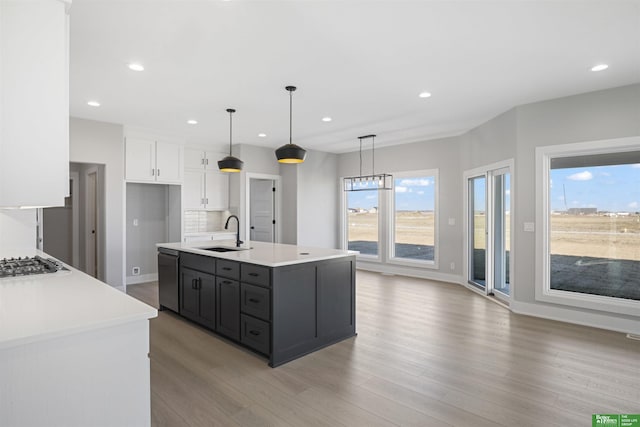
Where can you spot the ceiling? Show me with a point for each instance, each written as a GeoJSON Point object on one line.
{"type": "Point", "coordinates": [362, 63]}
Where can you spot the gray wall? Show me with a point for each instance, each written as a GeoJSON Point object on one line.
{"type": "Point", "coordinates": [149, 204]}
{"type": "Point", "coordinates": [607, 114]}
{"type": "Point", "coordinates": [442, 154]}
{"type": "Point", "coordinates": [317, 200]}
{"type": "Point", "coordinates": [102, 143]}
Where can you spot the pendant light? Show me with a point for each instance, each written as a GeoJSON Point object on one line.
{"type": "Point", "coordinates": [230, 163]}
{"type": "Point", "coordinates": [380, 181]}
{"type": "Point", "coordinates": [290, 153]}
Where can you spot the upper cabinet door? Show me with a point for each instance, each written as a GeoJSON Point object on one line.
{"type": "Point", "coordinates": [193, 158]}
{"type": "Point", "coordinates": [169, 162]}
{"type": "Point", "coordinates": [34, 94]}
{"type": "Point", "coordinates": [140, 160]}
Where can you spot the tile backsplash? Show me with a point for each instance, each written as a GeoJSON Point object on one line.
{"type": "Point", "coordinates": [204, 221]}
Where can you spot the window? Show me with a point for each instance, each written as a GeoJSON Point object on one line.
{"type": "Point", "coordinates": [591, 237]}
{"type": "Point", "coordinates": [414, 217]}
{"type": "Point", "coordinates": [397, 226]}
{"type": "Point", "coordinates": [362, 221]}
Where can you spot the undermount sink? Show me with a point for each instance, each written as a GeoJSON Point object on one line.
{"type": "Point", "coordinates": [223, 249]}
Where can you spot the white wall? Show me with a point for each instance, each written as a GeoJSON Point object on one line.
{"type": "Point", "coordinates": [102, 143]}
{"type": "Point", "coordinates": [17, 232]}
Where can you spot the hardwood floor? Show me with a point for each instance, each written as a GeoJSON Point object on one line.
{"type": "Point", "coordinates": [427, 354]}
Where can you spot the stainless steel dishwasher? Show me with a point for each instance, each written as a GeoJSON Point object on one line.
{"type": "Point", "coordinates": [168, 290]}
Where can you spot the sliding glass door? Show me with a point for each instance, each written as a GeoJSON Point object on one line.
{"type": "Point", "coordinates": [489, 230]}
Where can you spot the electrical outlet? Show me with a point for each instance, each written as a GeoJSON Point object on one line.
{"type": "Point", "coordinates": [135, 222]}
{"type": "Point", "coordinates": [452, 266]}
{"type": "Point", "coordinates": [136, 271]}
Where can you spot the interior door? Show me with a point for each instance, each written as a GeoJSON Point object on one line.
{"type": "Point", "coordinates": [262, 210]}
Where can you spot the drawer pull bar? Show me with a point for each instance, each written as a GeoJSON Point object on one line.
{"type": "Point", "coordinates": [253, 274]}
{"type": "Point", "coordinates": [226, 268]}
{"type": "Point", "coordinates": [253, 300]}
{"type": "Point", "coordinates": [253, 332]}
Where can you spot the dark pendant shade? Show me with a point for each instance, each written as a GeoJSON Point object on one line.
{"type": "Point", "coordinates": [230, 164]}
{"type": "Point", "coordinates": [291, 153]}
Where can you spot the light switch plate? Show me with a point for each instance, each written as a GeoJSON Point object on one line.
{"type": "Point", "coordinates": [529, 227]}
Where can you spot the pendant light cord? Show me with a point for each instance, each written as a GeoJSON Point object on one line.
{"type": "Point", "coordinates": [230, 131]}
{"type": "Point", "coordinates": [373, 155]}
{"type": "Point", "coordinates": [360, 156]}
{"type": "Point", "coordinates": [290, 116]}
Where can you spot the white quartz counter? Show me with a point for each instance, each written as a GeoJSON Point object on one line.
{"type": "Point", "coordinates": [44, 306]}
{"type": "Point", "coordinates": [261, 253]}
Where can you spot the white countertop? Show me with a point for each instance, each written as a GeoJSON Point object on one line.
{"type": "Point", "coordinates": [44, 306]}
{"type": "Point", "coordinates": [261, 253]}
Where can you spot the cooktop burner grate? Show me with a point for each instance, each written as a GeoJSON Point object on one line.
{"type": "Point", "coordinates": [11, 267]}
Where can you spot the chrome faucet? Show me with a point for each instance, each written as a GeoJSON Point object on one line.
{"type": "Point", "coordinates": [226, 227]}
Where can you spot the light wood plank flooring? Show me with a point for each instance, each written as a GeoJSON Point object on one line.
{"type": "Point", "coordinates": [427, 354]}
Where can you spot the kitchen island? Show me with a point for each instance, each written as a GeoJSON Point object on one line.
{"type": "Point", "coordinates": [73, 352]}
{"type": "Point", "coordinates": [281, 301]}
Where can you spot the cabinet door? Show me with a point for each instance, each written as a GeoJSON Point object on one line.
{"type": "Point", "coordinates": [193, 158]}
{"type": "Point", "coordinates": [140, 160]}
{"type": "Point", "coordinates": [228, 307]}
{"type": "Point", "coordinates": [189, 293]}
{"type": "Point", "coordinates": [193, 189]}
{"type": "Point", "coordinates": [34, 100]}
{"type": "Point", "coordinates": [169, 162]}
{"type": "Point", "coordinates": [217, 189]}
{"type": "Point", "coordinates": [207, 287]}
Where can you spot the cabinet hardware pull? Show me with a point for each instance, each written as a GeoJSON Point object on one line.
{"type": "Point", "coordinates": [226, 268]}
{"type": "Point", "coordinates": [199, 282]}
{"type": "Point", "coordinates": [226, 282]}
{"type": "Point", "coordinates": [153, 172]}
{"type": "Point", "coordinates": [207, 161]}
{"type": "Point", "coordinates": [202, 161]}
{"type": "Point", "coordinates": [256, 333]}
{"type": "Point", "coordinates": [158, 172]}
{"type": "Point", "coordinates": [254, 300]}
{"type": "Point", "coordinates": [193, 283]}
{"type": "Point", "coordinates": [253, 274]}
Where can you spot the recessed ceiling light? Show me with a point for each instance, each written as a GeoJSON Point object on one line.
{"type": "Point", "coordinates": [599, 67]}
{"type": "Point", "coordinates": [326, 119]}
{"type": "Point", "coordinates": [424, 94]}
{"type": "Point", "coordinates": [192, 122]}
{"type": "Point", "coordinates": [93, 103]}
{"type": "Point", "coordinates": [136, 67]}
{"type": "Point", "coordinates": [261, 135]}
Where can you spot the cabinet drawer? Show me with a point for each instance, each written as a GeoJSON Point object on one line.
{"type": "Point", "coordinates": [202, 263]}
{"type": "Point", "coordinates": [228, 269]}
{"type": "Point", "coordinates": [256, 275]}
{"type": "Point", "coordinates": [255, 334]}
{"type": "Point", "coordinates": [255, 301]}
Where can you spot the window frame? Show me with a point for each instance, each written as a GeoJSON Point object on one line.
{"type": "Point", "coordinates": [543, 291]}
{"type": "Point", "coordinates": [344, 228]}
{"type": "Point", "coordinates": [391, 225]}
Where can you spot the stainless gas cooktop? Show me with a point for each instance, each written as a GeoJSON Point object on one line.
{"type": "Point", "coordinates": [26, 266]}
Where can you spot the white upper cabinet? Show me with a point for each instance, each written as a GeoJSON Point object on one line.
{"type": "Point", "coordinates": [34, 102]}
{"type": "Point", "coordinates": [205, 187]}
{"type": "Point", "coordinates": [152, 161]}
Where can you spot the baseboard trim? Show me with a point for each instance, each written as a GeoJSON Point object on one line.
{"type": "Point", "coordinates": [408, 271]}
{"type": "Point", "coordinates": [594, 320]}
{"type": "Point", "coordinates": [134, 280]}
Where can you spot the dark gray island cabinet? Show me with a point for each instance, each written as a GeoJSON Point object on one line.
{"type": "Point", "coordinates": [281, 311]}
